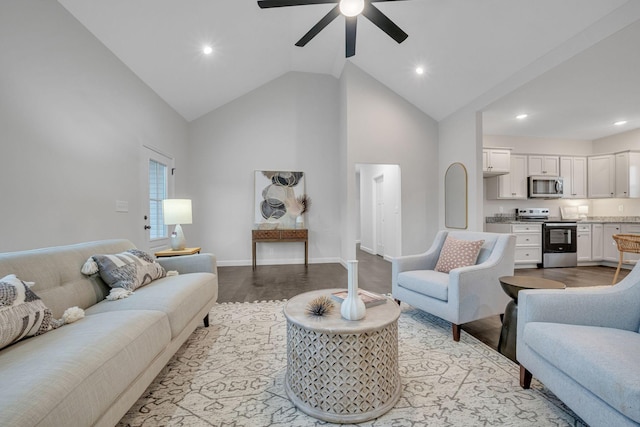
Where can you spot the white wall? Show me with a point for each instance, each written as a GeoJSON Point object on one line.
{"type": "Point", "coordinates": [460, 141]}
{"type": "Point", "coordinates": [392, 199]}
{"type": "Point", "coordinates": [620, 142]}
{"type": "Point", "coordinates": [382, 127]}
{"type": "Point", "coordinates": [291, 123]}
{"type": "Point", "coordinates": [73, 119]}
{"type": "Point", "coordinates": [529, 145]}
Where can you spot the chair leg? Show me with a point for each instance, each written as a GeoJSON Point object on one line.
{"type": "Point", "coordinates": [617, 269]}
{"type": "Point", "coordinates": [206, 320]}
{"type": "Point", "coordinates": [456, 331]}
{"type": "Point", "coordinates": [525, 378]}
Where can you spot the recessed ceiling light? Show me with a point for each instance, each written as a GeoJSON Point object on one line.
{"type": "Point", "coordinates": [522, 116]}
{"type": "Point", "coordinates": [419, 71]}
{"type": "Point", "coordinates": [207, 50]}
{"type": "Point", "coordinates": [620, 123]}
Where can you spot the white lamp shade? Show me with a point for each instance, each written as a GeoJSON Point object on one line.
{"type": "Point", "coordinates": [177, 211]}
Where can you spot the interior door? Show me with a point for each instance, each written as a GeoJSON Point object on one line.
{"type": "Point", "coordinates": [157, 182]}
{"type": "Point", "coordinates": [379, 209]}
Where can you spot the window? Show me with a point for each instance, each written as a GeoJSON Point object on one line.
{"type": "Point", "coordinates": [157, 193]}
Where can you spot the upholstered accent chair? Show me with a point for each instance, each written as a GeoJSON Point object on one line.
{"type": "Point", "coordinates": [463, 294]}
{"type": "Point", "coordinates": [583, 344]}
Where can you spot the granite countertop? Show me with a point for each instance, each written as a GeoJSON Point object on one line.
{"type": "Point", "coordinates": [511, 219]}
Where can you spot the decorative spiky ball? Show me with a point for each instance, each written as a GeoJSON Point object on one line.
{"type": "Point", "coordinates": [320, 306]}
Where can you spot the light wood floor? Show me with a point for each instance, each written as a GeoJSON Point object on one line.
{"type": "Point", "coordinates": [277, 282]}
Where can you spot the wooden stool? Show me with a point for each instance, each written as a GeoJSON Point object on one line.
{"type": "Point", "coordinates": [626, 243]}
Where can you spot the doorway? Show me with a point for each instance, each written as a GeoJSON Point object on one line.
{"type": "Point", "coordinates": [379, 201]}
{"type": "Point", "coordinates": [157, 185]}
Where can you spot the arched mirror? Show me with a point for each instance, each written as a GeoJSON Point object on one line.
{"type": "Point", "coordinates": [455, 196]}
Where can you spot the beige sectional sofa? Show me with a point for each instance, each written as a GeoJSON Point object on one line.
{"type": "Point", "coordinates": [92, 371]}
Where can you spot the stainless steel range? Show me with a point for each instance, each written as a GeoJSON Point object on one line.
{"type": "Point", "coordinates": [559, 237]}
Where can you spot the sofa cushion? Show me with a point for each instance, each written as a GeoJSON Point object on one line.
{"type": "Point", "coordinates": [129, 270]}
{"type": "Point", "coordinates": [72, 375]}
{"type": "Point", "coordinates": [456, 253]}
{"type": "Point", "coordinates": [179, 297]}
{"type": "Point", "coordinates": [427, 282]}
{"type": "Point", "coordinates": [22, 312]}
{"type": "Point", "coordinates": [603, 360]}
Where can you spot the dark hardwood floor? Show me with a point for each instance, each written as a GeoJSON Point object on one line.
{"type": "Point", "coordinates": [277, 282]}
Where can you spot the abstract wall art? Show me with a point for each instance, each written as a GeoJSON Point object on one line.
{"type": "Point", "coordinates": [279, 198]}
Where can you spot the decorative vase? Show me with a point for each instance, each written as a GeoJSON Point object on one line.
{"type": "Point", "coordinates": [353, 307]}
{"type": "Point", "coordinates": [299, 222]}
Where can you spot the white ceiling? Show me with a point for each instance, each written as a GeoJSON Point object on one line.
{"type": "Point", "coordinates": [468, 47]}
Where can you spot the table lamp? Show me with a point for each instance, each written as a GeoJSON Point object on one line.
{"type": "Point", "coordinates": [177, 211]}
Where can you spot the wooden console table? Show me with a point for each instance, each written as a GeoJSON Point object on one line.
{"type": "Point", "coordinates": [285, 235]}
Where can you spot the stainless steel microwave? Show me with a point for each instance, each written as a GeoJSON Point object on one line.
{"type": "Point", "coordinates": [546, 187]}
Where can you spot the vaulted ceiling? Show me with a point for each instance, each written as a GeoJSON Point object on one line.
{"type": "Point", "coordinates": [466, 47]}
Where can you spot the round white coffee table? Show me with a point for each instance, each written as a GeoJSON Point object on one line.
{"type": "Point", "coordinates": [338, 370]}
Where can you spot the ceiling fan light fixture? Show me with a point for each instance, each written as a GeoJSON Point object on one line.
{"type": "Point", "coordinates": [351, 8]}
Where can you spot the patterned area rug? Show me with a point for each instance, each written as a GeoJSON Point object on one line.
{"type": "Point", "coordinates": [232, 374]}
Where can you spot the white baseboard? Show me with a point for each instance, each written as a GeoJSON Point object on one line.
{"type": "Point", "coordinates": [242, 263]}
{"type": "Point", "coordinates": [368, 250]}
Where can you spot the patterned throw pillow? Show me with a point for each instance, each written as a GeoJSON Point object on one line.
{"type": "Point", "coordinates": [128, 270]}
{"type": "Point", "coordinates": [22, 312]}
{"type": "Point", "coordinates": [457, 253]}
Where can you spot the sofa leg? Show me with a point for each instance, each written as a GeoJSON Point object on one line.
{"type": "Point", "coordinates": [525, 378]}
{"type": "Point", "coordinates": [206, 320]}
{"type": "Point", "coordinates": [456, 331]}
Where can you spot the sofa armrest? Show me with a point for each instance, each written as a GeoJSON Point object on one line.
{"type": "Point", "coordinates": [608, 306]}
{"type": "Point", "coordinates": [197, 263]}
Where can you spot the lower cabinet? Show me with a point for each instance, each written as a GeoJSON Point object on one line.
{"type": "Point", "coordinates": [597, 236]}
{"type": "Point", "coordinates": [584, 242]}
{"type": "Point", "coordinates": [609, 247]}
{"type": "Point", "coordinates": [528, 252]}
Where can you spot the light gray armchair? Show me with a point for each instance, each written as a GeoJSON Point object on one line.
{"type": "Point", "coordinates": [583, 344]}
{"type": "Point", "coordinates": [464, 294]}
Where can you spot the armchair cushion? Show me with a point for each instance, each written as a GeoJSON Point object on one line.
{"type": "Point", "coordinates": [458, 253]}
{"type": "Point", "coordinates": [595, 357]}
{"type": "Point", "coordinates": [426, 282]}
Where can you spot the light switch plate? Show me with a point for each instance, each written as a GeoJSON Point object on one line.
{"type": "Point", "coordinates": [122, 206]}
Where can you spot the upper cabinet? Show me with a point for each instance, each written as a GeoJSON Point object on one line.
{"type": "Point", "coordinates": [574, 177]}
{"type": "Point", "coordinates": [544, 165]}
{"type": "Point", "coordinates": [495, 161]}
{"type": "Point", "coordinates": [610, 175]}
{"type": "Point", "coordinates": [510, 186]}
{"type": "Point", "coordinates": [601, 176]}
{"type": "Point", "coordinates": [627, 179]}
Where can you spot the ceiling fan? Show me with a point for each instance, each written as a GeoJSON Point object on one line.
{"type": "Point", "coordinates": [350, 9]}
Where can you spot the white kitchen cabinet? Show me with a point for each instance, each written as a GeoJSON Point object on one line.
{"type": "Point", "coordinates": [601, 176]}
{"type": "Point", "coordinates": [544, 165]}
{"type": "Point", "coordinates": [627, 174]}
{"type": "Point", "coordinates": [596, 242]}
{"type": "Point", "coordinates": [584, 242]}
{"type": "Point", "coordinates": [609, 247]}
{"type": "Point", "coordinates": [574, 176]}
{"type": "Point", "coordinates": [495, 161]}
{"type": "Point", "coordinates": [528, 251]}
{"type": "Point", "coordinates": [512, 185]}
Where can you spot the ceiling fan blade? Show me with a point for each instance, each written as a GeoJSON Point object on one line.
{"type": "Point", "coordinates": [265, 4]}
{"type": "Point", "coordinates": [385, 24]}
{"type": "Point", "coordinates": [350, 35]}
{"type": "Point", "coordinates": [326, 19]}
